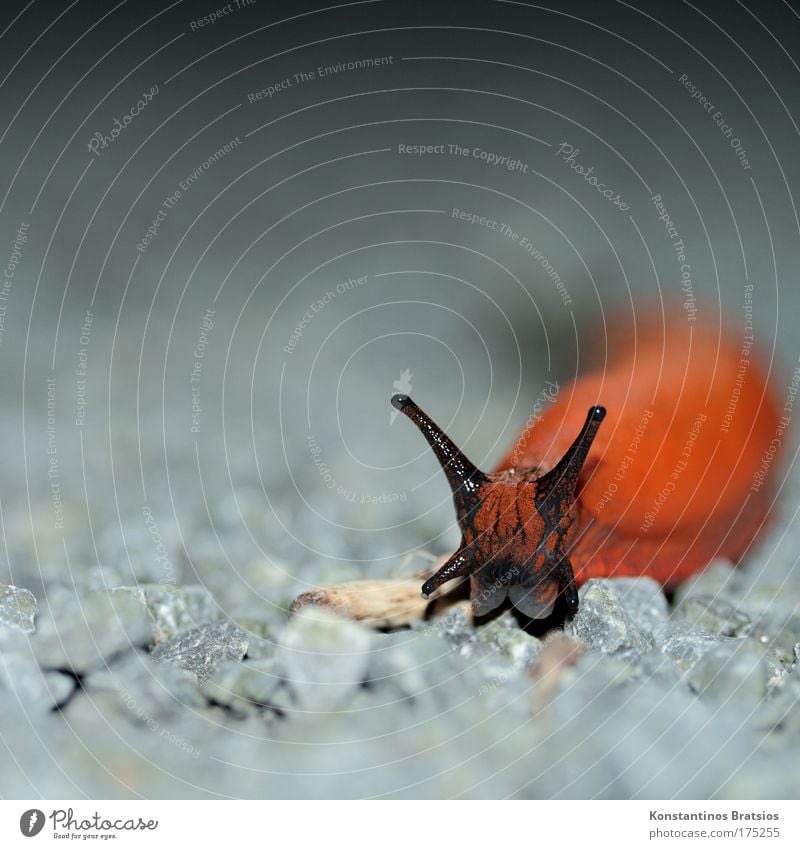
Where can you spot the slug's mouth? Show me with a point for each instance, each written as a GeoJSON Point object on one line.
{"type": "Point", "coordinates": [531, 602]}
{"type": "Point", "coordinates": [487, 593]}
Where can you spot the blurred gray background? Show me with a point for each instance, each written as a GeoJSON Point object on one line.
{"type": "Point", "coordinates": [317, 193]}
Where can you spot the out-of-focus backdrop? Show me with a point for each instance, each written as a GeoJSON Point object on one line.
{"type": "Point", "coordinates": [229, 233]}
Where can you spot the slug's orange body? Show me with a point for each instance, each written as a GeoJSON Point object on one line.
{"type": "Point", "coordinates": [676, 475]}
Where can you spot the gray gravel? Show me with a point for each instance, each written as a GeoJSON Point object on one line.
{"type": "Point", "coordinates": [79, 633]}
{"type": "Point", "coordinates": [202, 648]}
{"type": "Point", "coordinates": [17, 609]}
{"type": "Point", "coordinates": [198, 683]}
{"type": "Point", "coordinates": [603, 622]}
{"type": "Point", "coordinates": [690, 700]}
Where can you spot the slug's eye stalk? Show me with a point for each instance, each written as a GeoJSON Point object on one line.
{"type": "Point", "coordinates": [516, 528]}
{"type": "Point", "coordinates": [464, 478]}
{"type": "Point", "coordinates": [560, 482]}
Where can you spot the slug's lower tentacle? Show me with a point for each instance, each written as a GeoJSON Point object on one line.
{"type": "Point", "coordinates": [460, 565]}
{"type": "Point", "coordinates": [565, 578]}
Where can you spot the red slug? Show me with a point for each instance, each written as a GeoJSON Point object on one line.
{"type": "Point", "coordinates": [668, 474]}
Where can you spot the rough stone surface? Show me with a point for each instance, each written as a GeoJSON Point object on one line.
{"type": "Point", "coordinates": [781, 710]}
{"type": "Point", "coordinates": [262, 634]}
{"type": "Point", "coordinates": [685, 649]}
{"type": "Point", "coordinates": [200, 649]}
{"type": "Point", "coordinates": [80, 632]}
{"type": "Point", "coordinates": [24, 682]}
{"type": "Point", "coordinates": [719, 579]}
{"type": "Point", "coordinates": [780, 633]}
{"type": "Point", "coordinates": [732, 674]}
{"type": "Point", "coordinates": [244, 685]}
{"type": "Point", "coordinates": [713, 615]}
{"type": "Point", "coordinates": [324, 658]}
{"type": "Point", "coordinates": [602, 622]}
{"type": "Point", "coordinates": [139, 682]}
{"type": "Point", "coordinates": [505, 639]}
{"type": "Point", "coordinates": [179, 609]}
{"type": "Point", "coordinates": [643, 600]}
{"type": "Point", "coordinates": [455, 625]}
{"type": "Point", "coordinates": [60, 688]}
{"type": "Point", "coordinates": [17, 609]}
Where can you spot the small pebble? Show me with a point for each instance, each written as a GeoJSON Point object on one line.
{"type": "Point", "coordinates": [732, 675]}
{"type": "Point", "coordinates": [17, 609]}
{"type": "Point", "coordinates": [324, 658]}
{"type": "Point", "coordinates": [602, 623]}
{"type": "Point", "coordinates": [201, 649]}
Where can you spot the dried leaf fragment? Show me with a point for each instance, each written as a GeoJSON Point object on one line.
{"type": "Point", "coordinates": [378, 603]}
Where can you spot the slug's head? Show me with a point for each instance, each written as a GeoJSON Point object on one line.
{"type": "Point", "coordinates": [516, 525]}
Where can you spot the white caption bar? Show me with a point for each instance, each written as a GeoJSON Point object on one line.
{"type": "Point", "coordinates": [408, 824]}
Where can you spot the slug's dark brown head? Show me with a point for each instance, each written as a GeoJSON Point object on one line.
{"type": "Point", "coordinates": [516, 525]}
